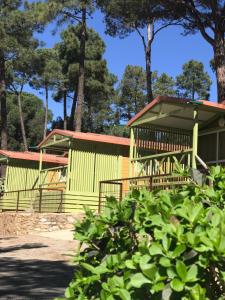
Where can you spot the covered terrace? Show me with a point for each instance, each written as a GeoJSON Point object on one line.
{"type": "Point", "coordinates": [172, 130]}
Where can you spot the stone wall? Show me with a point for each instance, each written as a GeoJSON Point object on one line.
{"type": "Point", "coordinates": [12, 223]}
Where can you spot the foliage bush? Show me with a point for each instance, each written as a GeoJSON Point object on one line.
{"type": "Point", "coordinates": [154, 245]}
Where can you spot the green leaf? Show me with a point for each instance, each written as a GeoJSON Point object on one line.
{"type": "Point", "coordinates": [177, 285]}
{"type": "Point", "coordinates": [197, 293]}
{"type": "Point", "coordinates": [165, 262]}
{"type": "Point", "coordinates": [178, 250]}
{"type": "Point", "coordinates": [181, 269]}
{"type": "Point", "coordinates": [196, 212]}
{"type": "Point", "coordinates": [69, 293]}
{"type": "Point", "coordinates": [156, 220]}
{"type": "Point", "coordinates": [192, 273]}
{"type": "Point", "coordinates": [88, 267]}
{"type": "Point", "coordinates": [138, 280]}
{"type": "Point", "coordinates": [149, 270]}
{"type": "Point", "coordinates": [129, 264]}
{"type": "Point", "coordinates": [158, 287]}
{"type": "Point", "coordinates": [155, 249]}
{"type": "Point", "coordinates": [166, 243]}
{"type": "Point", "coordinates": [105, 287]}
{"type": "Point", "coordinates": [124, 294]}
{"type": "Point", "coordinates": [117, 281]}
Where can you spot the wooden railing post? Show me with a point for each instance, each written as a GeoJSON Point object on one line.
{"type": "Point", "coordinates": [40, 199]}
{"type": "Point", "coordinates": [61, 202]}
{"type": "Point", "coordinates": [100, 197]}
{"type": "Point", "coordinates": [121, 191]}
{"type": "Point", "coordinates": [150, 184]}
{"type": "Point", "coordinates": [17, 202]}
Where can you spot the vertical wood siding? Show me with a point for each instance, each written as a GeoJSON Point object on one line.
{"type": "Point", "coordinates": [21, 175]}
{"type": "Point", "coordinates": [94, 162]}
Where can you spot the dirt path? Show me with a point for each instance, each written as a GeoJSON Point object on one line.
{"type": "Point", "coordinates": [35, 267]}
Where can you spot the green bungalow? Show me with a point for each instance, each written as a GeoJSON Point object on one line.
{"type": "Point", "coordinates": [22, 174]}
{"type": "Point", "coordinates": [169, 131]}
{"type": "Point", "coordinates": [91, 158]}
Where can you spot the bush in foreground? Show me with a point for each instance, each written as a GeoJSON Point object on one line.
{"type": "Point", "coordinates": [161, 245]}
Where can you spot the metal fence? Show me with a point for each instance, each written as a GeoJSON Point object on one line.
{"type": "Point", "coordinates": [119, 188]}
{"type": "Point", "coordinates": [35, 200]}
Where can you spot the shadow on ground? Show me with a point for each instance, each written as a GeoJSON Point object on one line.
{"type": "Point", "coordinates": [33, 279]}
{"type": "Point", "coordinates": [22, 247]}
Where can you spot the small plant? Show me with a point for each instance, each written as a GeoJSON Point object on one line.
{"type": "Point", "coordinates": [154, 245]}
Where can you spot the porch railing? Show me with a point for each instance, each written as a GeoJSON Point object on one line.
{"type": "Point", "coordinates": [160, 164]}
{"type": "Point", "coordinates": [53, 177]}
{"type": "Point", "coordinates": [119, 188]}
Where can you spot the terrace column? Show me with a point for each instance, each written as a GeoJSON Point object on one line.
{"type": "Point", "coordinates": [131, 151]}
{"type": "Point", "coordinates": [195, 139]}
{"type": "Point", "coordinates": [40, 167]}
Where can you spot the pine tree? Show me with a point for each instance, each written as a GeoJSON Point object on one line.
{"type": "Point", "coordinates": [127, 16]}
{"type": "Point", "coordinates": [16, 26]}
{"type": "Point", "coordinates": [194, 82]}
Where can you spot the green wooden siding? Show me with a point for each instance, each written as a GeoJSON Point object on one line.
{"type": "Point", "coordinates": [91, 163]}
{"type": "Point", "coordinates": [21, 175]}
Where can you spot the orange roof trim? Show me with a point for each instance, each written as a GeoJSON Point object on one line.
{"type": "Point", "coordinates": [166, 99]}
{"type": "Point", "coordinates": [34, 156]}
{"type": "Point", "coordinates": [94, 137]}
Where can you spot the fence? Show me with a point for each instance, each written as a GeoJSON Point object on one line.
{"type": "Point", "coordinates": [46, 200]}
{"type": "Point", "coordinates": [119, 188]}
{"type": "Point", "coordinates": [36, 200]}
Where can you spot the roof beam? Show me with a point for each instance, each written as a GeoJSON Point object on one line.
{"type": "Point", "coordinates": [159, 116]}
{"type": "Point", "coordinates": [56, 143]}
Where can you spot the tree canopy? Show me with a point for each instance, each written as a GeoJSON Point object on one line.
{"type": "Point", "coordinates": [99, 82]}
{"type": "Point", "coordinates": [194, 83]}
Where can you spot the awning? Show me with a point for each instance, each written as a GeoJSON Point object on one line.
{"type": "Point", "coordinates": [177, 113]}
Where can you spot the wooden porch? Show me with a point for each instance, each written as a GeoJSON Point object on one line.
{"type": "Point", "coordinates": [171, 135]}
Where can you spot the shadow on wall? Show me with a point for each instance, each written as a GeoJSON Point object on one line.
{"type": "Point", "coordinates": [33, 279]}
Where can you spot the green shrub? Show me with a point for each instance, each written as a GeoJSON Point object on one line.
{"type": "Point", "coordinates": [161, 245]}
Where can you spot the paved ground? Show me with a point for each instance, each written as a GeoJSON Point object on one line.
{"type": "Point", "coordinates": [35, 266]}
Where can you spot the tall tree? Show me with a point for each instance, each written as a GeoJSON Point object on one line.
{"type": "Point", "coordinates": [16, 29]}
{"type": "Point", "coordinates": [127, 16]}
{"type": "Point", "coordinates": [132, 92]}
{"type": "Point", "coordinates": [163, 85]}
{"type": "Point", "coordinates": [19, 73]}
{"type": "Point", "coordinates": [48, 71]}
{"type": "Point", "coordinates": [194, 82]}
{"type": "Point", "coordinates": [98, 89]}
{"type": "Point", "coordinates": [207, 17]}
{"type": "Point", "coordinates": [33, 113]}
{"type": "Point", "coordinates": [70, 11]}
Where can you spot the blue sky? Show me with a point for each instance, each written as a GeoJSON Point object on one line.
{"type": "Point", "coordinates": [170, 51]}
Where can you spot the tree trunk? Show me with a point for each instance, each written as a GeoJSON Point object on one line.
{"type": "Point", "coordinates": [148, 53]}
{"type": "Point", "coordinates": [23, 132]}
{"type": "Point", "coordinates": [219, 58]}
{"type": "Point", "coordinates": [72, 113]}
{"type": "Point", "coordinates": [46, 111]}
{"type": "Point", "coordinates": [65, 110]}
{"type": "Point", "coordinates": [4, 131]}
{"type": "Point", "coordinates": [90, 123]}
{"type": "Point", "coordinates": [80, 93]}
